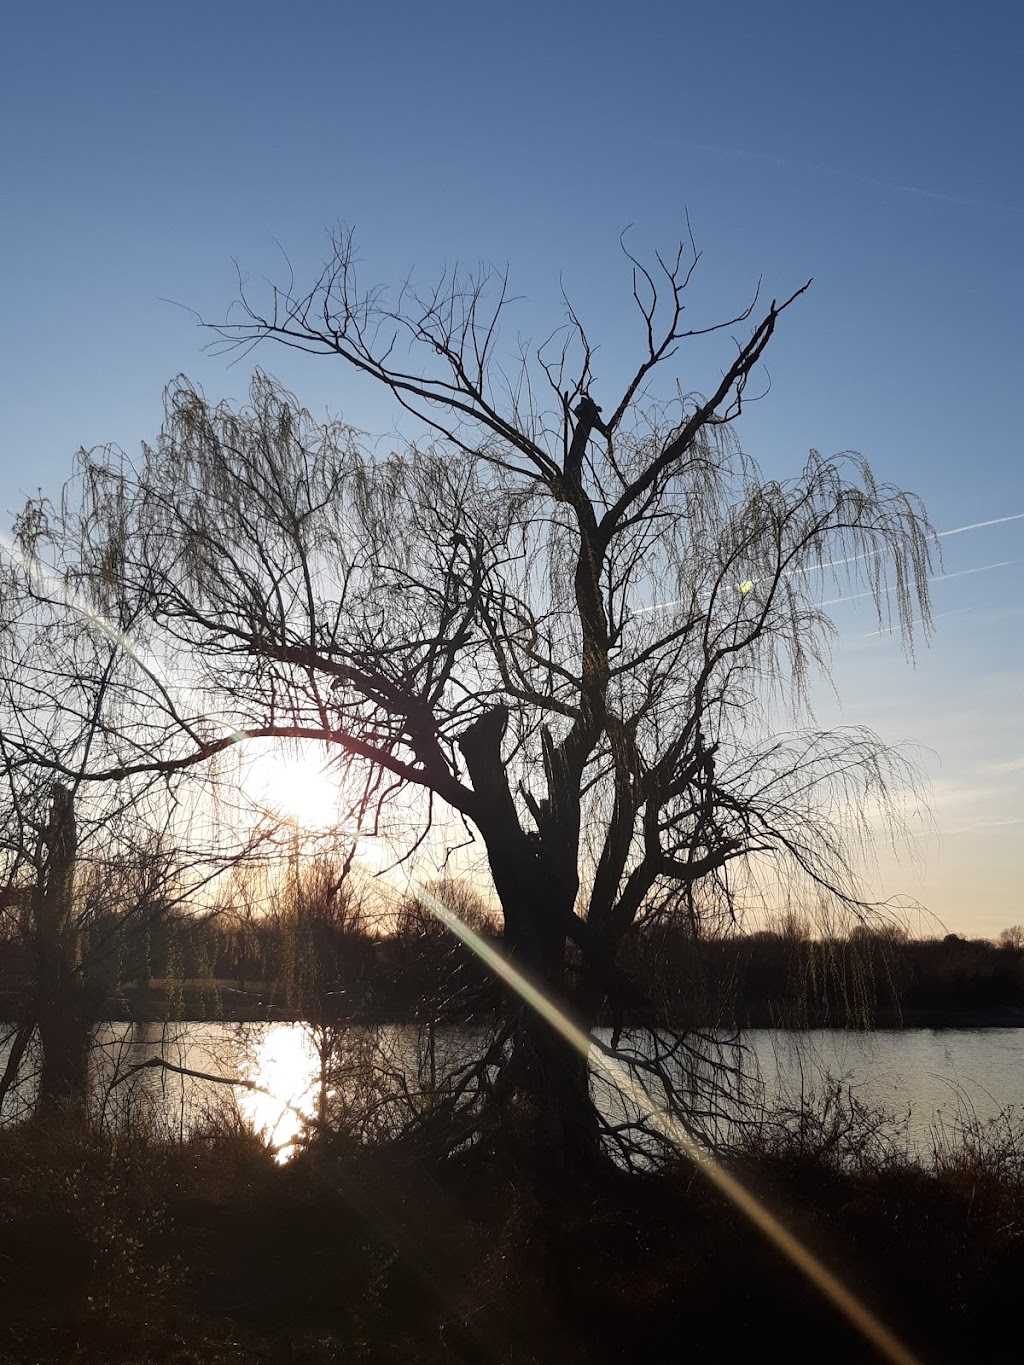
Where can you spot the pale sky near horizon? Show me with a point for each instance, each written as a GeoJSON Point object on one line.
{"type": "Point", "coordinates": [877, 148]}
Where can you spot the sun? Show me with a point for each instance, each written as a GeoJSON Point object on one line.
{"type": "Point", "coordinates": [297, 787]}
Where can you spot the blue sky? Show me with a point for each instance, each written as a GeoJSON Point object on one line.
{"type": "Point", "coordinates": [876, 147]}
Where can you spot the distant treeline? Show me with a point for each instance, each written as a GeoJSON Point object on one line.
{"type": "Point", "coordinates": [314, 955]}
{"type": "Point", "coordinates": [324, 961]}
{"type": "Point", "coordinates": [794, 980]}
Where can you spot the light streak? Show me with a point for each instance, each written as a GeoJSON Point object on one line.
{"type": "Point", "coordinates": [103, 626]}
{"type": "Point", "coordinates": [612, 1067]}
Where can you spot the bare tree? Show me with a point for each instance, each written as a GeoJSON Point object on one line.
{"type": "Point", "coordinates": [86, 868]}
{"type": "Point", "coordinates": [584, 632]}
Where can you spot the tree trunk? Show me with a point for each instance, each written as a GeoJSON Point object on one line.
{"type": "Point", "coordinates": [62, 998]}
{"type": "Point", "coordinates": [537, 886]}
{"type": "Point", "coordinates": [65, 1028]}
{"type": "Point", "coordinates": [554, 1078]}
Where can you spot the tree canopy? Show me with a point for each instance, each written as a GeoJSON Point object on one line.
{"type": "Point", "coordinates": [580, 622]}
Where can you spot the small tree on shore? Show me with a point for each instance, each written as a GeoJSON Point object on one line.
{"type": "Point", "coordinates": [584, 630]}
{"type": "Point", "coordinates": [88, 870]}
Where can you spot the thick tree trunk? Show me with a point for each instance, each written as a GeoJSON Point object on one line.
{"type": "Point", "coordinates": [569, 1122]}
{"type": "Point", "coordinates": [537, 887]}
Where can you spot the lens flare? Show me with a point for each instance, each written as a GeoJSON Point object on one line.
{"type": "Point", "coordinates": [607, 1062]}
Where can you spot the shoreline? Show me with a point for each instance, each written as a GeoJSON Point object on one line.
{"type": "Point", "coordinates": [222, 1004]}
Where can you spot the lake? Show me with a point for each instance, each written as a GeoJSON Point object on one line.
{"type": "Point", "coordinates": [930, 1080]}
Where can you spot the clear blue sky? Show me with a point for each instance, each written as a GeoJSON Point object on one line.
{"type": "Point", "coordinates": [877, 147]}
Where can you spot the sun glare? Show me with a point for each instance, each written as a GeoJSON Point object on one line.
{"type": "Point", "coordinates": [297, 788]}
{"type": "Point", "coordinates": [284, 1065]}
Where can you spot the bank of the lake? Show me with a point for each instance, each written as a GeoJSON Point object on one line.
{"type": "Point", "coordinates": [224, 1001]}
{"type": "Point", "coordinates": [174, 1235]}
{"type": "Point", "coordinates": [203, 1250]}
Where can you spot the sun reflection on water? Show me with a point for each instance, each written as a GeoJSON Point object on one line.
{"type": "Point", "coordinates": [283, 1061]}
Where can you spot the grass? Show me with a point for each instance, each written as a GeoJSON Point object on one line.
{"type": "Point", "coordinates": [125, 1247]}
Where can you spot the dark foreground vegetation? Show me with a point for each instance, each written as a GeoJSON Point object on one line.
{"type": "Point", "coordinates": [126, 1248]}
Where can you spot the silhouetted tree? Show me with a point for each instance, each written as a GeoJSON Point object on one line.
{"type": "Point", "coordinates": [583, 630]}
{"type": "Point", "coordinates": [88, 870]}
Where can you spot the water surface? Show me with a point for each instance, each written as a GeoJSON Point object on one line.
{"type": "Point", "coordinates": [929, 1080]}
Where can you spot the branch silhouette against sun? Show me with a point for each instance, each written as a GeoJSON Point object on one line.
{"type": "Point", "coordinates": [88, 870]}
{"type": "Point", "coordinates": [587, 636]}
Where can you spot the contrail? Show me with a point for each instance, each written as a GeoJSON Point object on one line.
{"type": "Point", "coordinates": [853, 559]}
{"type": "Point", "coordinates": [615, 1070]}
{"type": "Point", "coordinates": [984, 824]}
{"type": "Point", "coordinates": [957, 611]}
{"type": "Point", "coordinates": [936, 578]}
{"type": "Point", "coordinates": [856, 596]}
{"type": "Point", "coordinates": [873, 554]}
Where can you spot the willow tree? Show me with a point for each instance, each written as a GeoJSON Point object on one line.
{"type": "Point", "coordinates": [580, 622]}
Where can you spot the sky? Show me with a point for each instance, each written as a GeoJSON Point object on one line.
{"type": "Point", "coordinates": [876, 148]}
